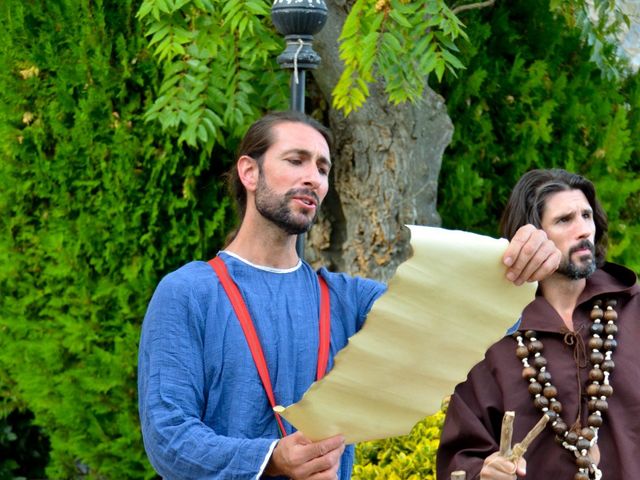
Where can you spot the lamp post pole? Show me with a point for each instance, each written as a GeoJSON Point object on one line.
{"type": "Point", "coordinates": [298, 21]}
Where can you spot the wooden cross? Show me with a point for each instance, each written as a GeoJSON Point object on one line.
{"type": "Point", "coordinates": [513, 454]}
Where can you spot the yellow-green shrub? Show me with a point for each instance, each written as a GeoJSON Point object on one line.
{"type": "Point", "coordinates": [410, 457]}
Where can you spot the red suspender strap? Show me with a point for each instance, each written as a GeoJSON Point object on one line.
{"type": "Point", "coordinates": [325, 329]}
{"type": "Point", "coordinates": [249, 330]}
{"type": "Point", "coordinates": [241, 311]}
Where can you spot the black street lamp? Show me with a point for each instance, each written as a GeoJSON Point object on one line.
{"type": "Point", "coordinates": [298, 21]}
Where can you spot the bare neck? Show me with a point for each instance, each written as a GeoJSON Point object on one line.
{"type": "Point", "coordinates": [563, 293]}
{"type": "Point", "coordinates": [263, 243]}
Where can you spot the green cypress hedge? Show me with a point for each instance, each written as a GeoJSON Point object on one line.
{"type": "Point", "coordinates": [95, 206]}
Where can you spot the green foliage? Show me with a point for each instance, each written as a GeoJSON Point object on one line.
{"type": "Point", "coordinates": [398, 41]}
{"type": "Point", "coordinates": [219, 69]}
{"type": "Point", "coordinates": [599, 22]}
{"type": "Point", "coordinates": [218, 59]}
{"type": "Point", "coordinates": [411, 457]}
{"type": "Point", "coordinates": [530, 98]}
{"type": "Point", "coordinates": [95, 205]}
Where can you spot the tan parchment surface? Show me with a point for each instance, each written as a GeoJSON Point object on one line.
{"type": "Point", "coordinates": [442, 310]}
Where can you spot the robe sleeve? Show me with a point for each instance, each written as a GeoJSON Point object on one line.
{"type": "Point", "coordinates": [172, 396]}
{"type": "Point", "coordinates": [472, 425]}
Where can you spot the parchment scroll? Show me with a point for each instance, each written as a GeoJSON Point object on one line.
{"type": "Point", "coordinates": [443, 308]}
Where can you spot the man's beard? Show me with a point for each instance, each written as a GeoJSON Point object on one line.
{"type": "Point", "coordinates": [587, 264]}
{"type": "Point", "coordinates": [277, 210]}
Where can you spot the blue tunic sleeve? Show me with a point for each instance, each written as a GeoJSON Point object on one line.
{"type": "Point", "coordinates": [172, 396]}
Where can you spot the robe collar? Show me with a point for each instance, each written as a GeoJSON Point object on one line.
{"type": "Point", "coordinates": [611, 279]}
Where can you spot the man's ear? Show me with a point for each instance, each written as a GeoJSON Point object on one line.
{"type": "Point", "coordinates": [248, 172]}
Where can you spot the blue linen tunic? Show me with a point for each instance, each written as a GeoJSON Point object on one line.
{"type": "Point", "coordinates": [203, 409]}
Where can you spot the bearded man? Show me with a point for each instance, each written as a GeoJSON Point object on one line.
{"type": "Point", "coordinates": [225, 340]}
{"type": "Point", "coordinates": [573, 355]}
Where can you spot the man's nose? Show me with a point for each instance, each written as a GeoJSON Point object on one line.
{"type": "Point", "coordinates": [312, 177]}
{"type": "Point", "coordinates": [585, 227]}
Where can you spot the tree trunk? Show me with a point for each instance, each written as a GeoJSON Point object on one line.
{"type": "Point", "coordinates": [385, 171]}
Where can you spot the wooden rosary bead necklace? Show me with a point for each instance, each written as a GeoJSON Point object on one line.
{"type": "Point", "coordinates": [601, 344]}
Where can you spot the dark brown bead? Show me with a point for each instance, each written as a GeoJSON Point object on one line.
{"type": "Point", "coordinates": [596, 328]}
{"type": "Point", "coordinates": [588, 433]}
{"type": "Point", "coordinates": [608, 365]}
{"type": "Point", "coordinates": [582, 461]}
{"type": "Point", "coordinates": [550, 391]}
{"type": "Point", "coordinates": [610, 329]}
{"type": "Point", "coordinates": [612, 303]}
{"type": "Point", "coordinates": [560, 428]}
{"type": "Point", "coordinates": [530, 334]}
{"type": "Point", "coordinates": [605, 390]}
{"type": "Point", "coordinates": [553, 416]}
{"type": "Point", "coordinates": [535, 346]}
{"type": "Point", "coordinates": [541, 402]}
{"type": "Point", "coordinates": [610, 344]}
{"type": "Point", "coordinates": [581, 476]}
{"type": "Point", "coordinates": [596, 358]}
{"type": "Point", "coordinates": [544, 377]}
{"type": "Point", "coordinates": [610, 315]}
{"type": "Point", "coordinates": [583, 444]}
{"type": "Point", "coordinates": [539, 362]}
{"type": "Point", "coordinates": [516, 334]}
{"type": "Point", "coordinates": [591, 405]}
{"type": "Point", "coordinates": [571, 438]}
{"type": "Point", "coordinates": [602, 405]}
{"type": "Point", "coordinates": [529, 372]}
{"type": "Point", "coordinates": [595, 343]}
{"type": "Point", "coordinates": [522, 352]}
{"type": "Point", "coordinates": [535, 388]}
{"type": "Point", "coordinates": [596, 375]}
{"type": "Point", "coordinates": [556, 406]}
{"type": "Point", "coordinates": [596, 313]}
{"type": "Point", "coordinates": [594, 420]}
{"type": "Point", "coordinates": [593, 390]}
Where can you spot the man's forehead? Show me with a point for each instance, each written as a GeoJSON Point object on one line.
{"type": "Point", "coordinates": [566, 200]}
{"type": "Point", "coordinates": [299, 136]}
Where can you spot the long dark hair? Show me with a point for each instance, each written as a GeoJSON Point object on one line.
{"type": "Point", "coordinates": [257, 141]}
{"type": "Point", "coordinates": [527, 201]}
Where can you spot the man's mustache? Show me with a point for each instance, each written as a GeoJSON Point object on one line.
{"type": "Point", "coordinates": [303, 191]}
{"type": "Point", "coordinates": [582, 245]}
